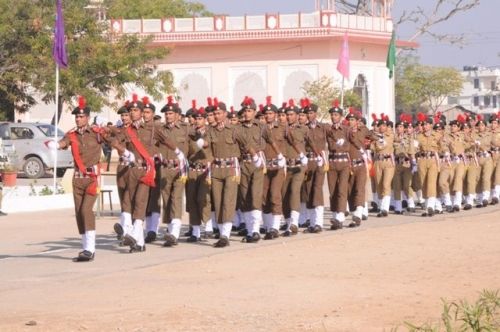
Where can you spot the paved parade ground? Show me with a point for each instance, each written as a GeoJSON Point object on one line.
{"type": "Point", "coordinates": [371, 278]}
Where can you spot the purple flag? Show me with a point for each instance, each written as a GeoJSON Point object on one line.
{"type": "Point", "coordinates": [343, 64]}
{"type": "Point", "coordinates": [59, 47]}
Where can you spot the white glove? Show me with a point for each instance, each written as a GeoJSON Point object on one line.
{"type": "Point", "coordinates": [303, 159]}
{"type": "Point", "coordinates": [415, 143]}
{"type": "Point", "coordinates": [414, 166]}
{"type": "Point", "coordinates": [180, 155]}
{"type": "Point", "coordinates": [477, 142]}
{"type": "Point", "coordinates": [382, 142]}
{"type": "Point", "coordinates": [319, 161]}
{"type": "Point", "coordinates": [128, 156]}
{"type": "Point", "coordinates": [52, 145]}
{"type": "Point", "coordinates": [200, 142]}
{"type": "Point", "coordinates": [281, 161]}
{"type": "Point", "coordinates": [257, 160]}
{"type": "Point", "coordinates": [340, 141]}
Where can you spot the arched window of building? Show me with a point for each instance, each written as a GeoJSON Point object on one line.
{"type": "Point", "coordinates": [360, 88]}
{"type": "Point", "coordinates": [193, 86]}
{"type": "Point", "coordinates": [249, 84]}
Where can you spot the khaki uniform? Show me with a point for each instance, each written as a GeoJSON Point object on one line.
{"type": "Point", "coordinates": [427, 166]}
{"type": "Point", "coordinates": [495, 154]}
{"type": "Point", "coordinates": [339, 169]}
{"type": "Point", "coordinates": [359, 172]}
{"type": "Point", "coordinates": [274, 178]}
{"type": "Point", "coordinates": [296, 140]}
{"type": "Point", "coordinates": [485, 165]}
{"type": "Point", "coordinates": [224, 143]}
{"type": "Point", "coordinates": [470, 170]}
{"type": "Point", "coordinates": [383, 150]}
{"type": "Point", "coordinates": [198, 202]}
{"type": "Point", "coordinates": [253, 134]}
{"type": "Point", "coordinates": [149, 134]}
{"type": "Point", "coordinates": [314, 177]}
{"type": "Point", "coordinates": [457, 144]}
{"type": "Point", "coordinates": [404, 154]}
{"type": "Point", "coordinates": [171, 184]}
{"type": "Point", "coordinates": [89, 143]}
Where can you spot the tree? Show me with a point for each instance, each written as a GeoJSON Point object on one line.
{"type": "Point", "coordinates": [322, 92]}
{"type": "Point", "coordinates": [425, 86]}
{"type": "Point", "coordinates": [100, 66]}
{"type": "Point", "coordinates": [133, 9]}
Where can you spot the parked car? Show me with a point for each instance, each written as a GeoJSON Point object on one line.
{"type": "Point", "coordinates": [27, 142]}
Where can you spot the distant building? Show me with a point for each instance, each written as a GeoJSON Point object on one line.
{"type": "Point", "coordinates": [480, 93]}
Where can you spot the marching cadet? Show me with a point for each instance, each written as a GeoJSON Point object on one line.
{"type": "Point", "coordinates": [428, 162]}
{"type": "Point", "coordinates": [471, 166]}
{"type": "Point", "coordinates": [445, 170]}
{"type": "Point", "coordinates": [198, 202]}
{"type": "Point", "coordinates": [455, 140]}
{"type": "Point", "coordinates": [383, 149]}
{"type": "Point", "coordinates": [339, 166]}
{"type": "Point", "coordinates": [404, 153]}
{"type": "Point", "coordinates": [482, 140]}
{"type": "Point", "coordinates": [224, 141]}
{"type": "Point", "coordinates": [315, 173]}
{"type": "Point", "coordinates": [359, 171]}
{"type": "Point", "coordinates": [138, 150]}
{"type": "Point", "coordinates": [416, 185]}
{"type": "Point", "coordinates": [125, 224]}
{"type": "Point", "coordinates": [282, 115]}
{"type": "Point", "coordinates": [495, 155]}
{"type": "Point", "coordinates": [296, 163]}
{"type": "Point", "coordinates": [173, 171]}
{"type": "Point", "coordinates": [256, 136]}
{"type": "Point", "coordinates": [153, 209]}
{"type": "Point", "coordinates": [272, 208]}
{"type": "Point", "coordinates": [85, 142]}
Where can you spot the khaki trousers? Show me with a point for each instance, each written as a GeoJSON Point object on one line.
{"type": "Point", "coordinates": [198, 203]}
{"type": "Point", "coordinates": [402, 182]}
{"type": "Point", "coordinates": [291, 190]}
{"type": "Point", "coordinates": [121, 185]}
{"type": "Point", "coordinates": [428, 173]}
{"type": "Point", "coordinates": [84, 204]}
{"type": "Point", "coordinates": [172, 190]}
{"type": "Point", "coordinates": [314, 179]}
{"type": "Point", "coordinates": [384, 172]}
{"type": "Point", "coordinates": [137, 192]}
{"type": "Point", "coordinates": [338, 184]}
{"type": "Point", "coordinates": [224, 191]}
{"type": "Point", "coordinates": [357, 186]}
{"type": "Point", "coordinates": [250, 188]}
{"type": "Point", "coordinates": [272, 191]}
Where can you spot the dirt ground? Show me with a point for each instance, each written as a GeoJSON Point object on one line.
{"type": "Point", "coordinates": [372, 278]}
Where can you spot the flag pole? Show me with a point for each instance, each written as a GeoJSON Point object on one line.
{"type": "Point", "coordinates": [342, 94]}
{"type": "Point", "coordinates": [56, 128]}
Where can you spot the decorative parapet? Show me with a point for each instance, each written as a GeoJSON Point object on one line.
{"type": "Point", "coordinates": [268, 26]}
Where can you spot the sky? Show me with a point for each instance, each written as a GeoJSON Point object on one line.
{"type": "Point", "coordinates": [479, 26]}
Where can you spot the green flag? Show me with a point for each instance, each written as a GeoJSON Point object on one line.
{"type": "Point", "coordinates": [391, 55]}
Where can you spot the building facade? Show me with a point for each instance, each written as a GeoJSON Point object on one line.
{"type": "Point", "coordinates": [272, 54]}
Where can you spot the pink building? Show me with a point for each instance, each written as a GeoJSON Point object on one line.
{"type": "Point", "coordinates": [273, 54]}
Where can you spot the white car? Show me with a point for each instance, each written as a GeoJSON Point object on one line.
{"type": "Point", "coordinates": [26, 141]}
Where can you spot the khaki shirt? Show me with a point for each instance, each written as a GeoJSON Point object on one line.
{"type": "Point", "coordinates": [404, 146]}
{"type": "Point", "coordinates": [484, 140]}
{"type": "Point", "coordinates": [254, 134]}
{"type": "Point", "coordinates": [225, 142]}
{"type": "Point", "coordinates": [428, 143]}
{"type": "Point", "coordinates": [178, 133]}
{"type": "Point", "coordinates": [150, 134]}
{"type": "Point", "coordinates": [195, 154]}
{"type": "Point", "coordinates": [334, 134]}
{"type": "Point", "coordinates": [357, 139]}
{"type": "Point", "coordinates": [296, 138]}
{"type": "Point", "coordinates": [278, 133]}
{"type": "Point", "coordinates": [383, 143]}
{"type": "Point", "coordinates": [317, 137]}
{"type": "Point", "coordinates": [456, 143]}
{"type": "Point", "coordinates": [89, 143]}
